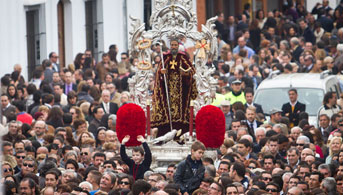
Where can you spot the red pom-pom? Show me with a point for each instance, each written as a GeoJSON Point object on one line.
{"type": "Point", "coordinates": [210, 126]}
{"type": "Point", "coordinates": [131, 121]}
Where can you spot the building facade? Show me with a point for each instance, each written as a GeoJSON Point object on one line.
{"type": "Point", "coordinates": [31, 29]}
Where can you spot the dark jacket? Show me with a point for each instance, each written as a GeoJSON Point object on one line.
{"type": "Point", "coordinates": [113, 108]}
{"type": "Point", "coordinates": [9, 110]}
{"type": "Point", "coordinates": [326, 22]}
{"type": "Point", "coordinates": [257, 106]}
{"type": "Point", "coordinates": [84, 96]}
{"type": "Point", "coordinates": [137, 171]}
{"type": "Point", "coordinates": [309, 35]}
{"type": "Point", "coordinates": [296, 53]}
{"type": "Point", "coordinates": [293, 116]}
{"type": "Point", "coordinates": [74, 88]}
{"type": "Point", "coordinates": [55, 122]}
{"type": "Point", "coordinates": [94, 125]}
{"type": "Point", "coordinates": [188, 179]}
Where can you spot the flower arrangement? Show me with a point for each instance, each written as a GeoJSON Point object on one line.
{"type": "Point", "coordinates": [210, 126]}
{"type": "Point", "coordinates": [131, 121]}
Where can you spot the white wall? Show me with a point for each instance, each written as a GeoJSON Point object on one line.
{"type": "Point", "coordinates": [135, 8]}
{"type": "Point", "coordinates": [51, 28]}
{"type": "Point", "coordinates": [12, 36]}
{"type": "Point", "coordinates": [75, 29]}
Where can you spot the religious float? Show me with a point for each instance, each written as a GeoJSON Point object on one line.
{"type": "Point", "coordinates": [172, 19]}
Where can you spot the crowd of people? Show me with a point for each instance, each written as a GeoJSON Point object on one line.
{"type": "Point", "coordinates": [60, 135]}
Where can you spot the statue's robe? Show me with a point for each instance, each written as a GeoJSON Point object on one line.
{"type": "Point", "coordinates": [181, 88]}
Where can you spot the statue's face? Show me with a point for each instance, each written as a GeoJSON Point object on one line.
{"type": "Point", "coordinates": [174, 47]}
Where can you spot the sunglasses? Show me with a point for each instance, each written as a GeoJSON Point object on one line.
{"type": "Point", "coordinates": [124, 183]}
{"type": "Point", "coordinates": [251, 167]}
{"type": "Point", "coordinates": [84, 153]}
{"type": "Point", "coordinates": [300, 144]}
{"type": "Point", "coordinates": [22, 157]}
{"type": "Point", "coordinates": [28, 165]}
{"type": "Point", "coordinates": [271, 190]}
{"type": "Point", "coordinates": [8, 170]}
{"type": "Point", "coordinates": [169, 171]}
{"type": "Point", "coordinates": [267, 178]}
{"type": "Point", "coordinates": [340, 125]}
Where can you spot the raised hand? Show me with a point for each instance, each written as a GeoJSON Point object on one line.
{"type": "Point", "coordinates": [140, 138]}
{"type": "Point", "coordinates": [125, 139]}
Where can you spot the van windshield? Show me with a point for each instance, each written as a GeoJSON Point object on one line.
{"type": "Point", "coordinates": [276, 97]}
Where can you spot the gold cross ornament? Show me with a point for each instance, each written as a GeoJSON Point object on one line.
{"type": "Point", "coordinates": [173, 63]}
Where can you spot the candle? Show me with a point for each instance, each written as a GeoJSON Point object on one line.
{"type": "Point", "coordinates": [148, 117]}
{"type": "Point", "coordinates": [191, 118]}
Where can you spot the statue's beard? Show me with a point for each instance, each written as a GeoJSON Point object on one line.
{"type": "Point", "coordinates": [174, 51]}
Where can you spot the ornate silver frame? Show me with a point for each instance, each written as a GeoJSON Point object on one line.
{"type": "Point", "coordinates": [173, 19]}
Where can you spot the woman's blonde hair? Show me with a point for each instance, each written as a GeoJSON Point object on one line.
{"type": "Point", "coordinates": [43, 108]}
{"type": "Point", "coordinates": [331, 141]}
{"type": "Point", "coordinates": [223, 52]}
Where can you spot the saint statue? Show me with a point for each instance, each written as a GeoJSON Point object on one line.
{"type": "Point", "coordinates": [181, 86]}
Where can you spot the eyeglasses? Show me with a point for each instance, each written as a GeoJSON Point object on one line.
{"type": "Point", "coordinates": [124, 183]}
{"type": "Point", "coordinates": [84, 153]}
{"type": "Point", "coordinates": [28, 165]}
{"type": "Point", "coordinates": [266, 178]}
{"type": "Point", "coordinates": [300, 144]}
{"type": "Point", "coordinates": [251, 167]}
{"type": "Point", "coordinates": [22, 157]}
{"type": "Point", "coordinates": [271, 190]}
{"type": "Point", "coordinates": [8, 170]}
{"type": "Point", "coordinates": [340, 125]}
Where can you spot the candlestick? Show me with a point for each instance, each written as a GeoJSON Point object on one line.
{"type": "Point", "coordinates": [191, 113]}
{"type": "Point", "coordinates": [148, 117]}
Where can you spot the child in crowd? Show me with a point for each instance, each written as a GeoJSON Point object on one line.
{"type": "Point", "coordinates": [190, 172]}
{"type": "Point", "coordinates": [139, 163]}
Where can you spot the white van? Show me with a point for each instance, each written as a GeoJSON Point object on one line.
{"type": "Point", "coordinates": [311, 87]}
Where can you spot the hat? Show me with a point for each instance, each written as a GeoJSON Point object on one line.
{"type": "Point", "coordinates": [225, 103]}
{"type": "Point", "coordinates": [37, 115]}
{"type": "Point", "coordinates": [237, 81]}
{"type": "Point", "coordinates": [275, 110]}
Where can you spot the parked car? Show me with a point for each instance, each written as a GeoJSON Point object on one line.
{"type": "Point", "coordinates": [311, 87]}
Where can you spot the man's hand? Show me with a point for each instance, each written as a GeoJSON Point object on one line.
{"type": "Point", "coordinates": [140, 138]}
{"type": "Point", "coordinates": [125, 139]}
{"type": "Point", "coordinates": [163, 71]}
